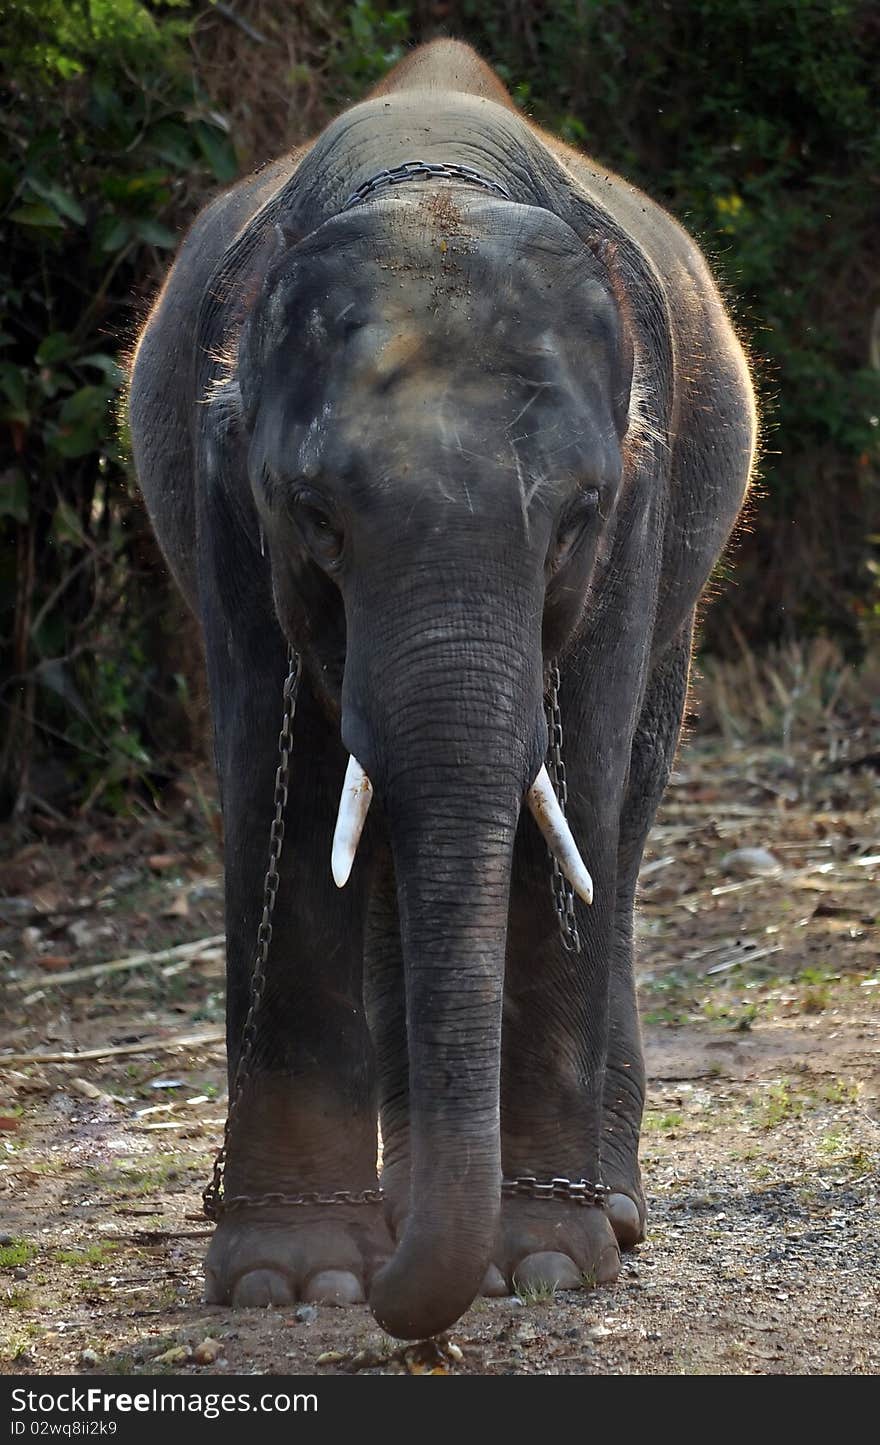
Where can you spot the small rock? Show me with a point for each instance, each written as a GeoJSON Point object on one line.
{"type": "Point", "coordinates": [90, 1358]}
{"type": "Point", "coordinates": [6, 1239]}
{"type": "Point", "coordinates": [330, 1357]}
{"type": "Point", "coordinates": [207, 1352]}
{"type": "Point", "coordinates": [19, 1273]}
{"type": "Point", "coordinates": [31, 938]}
{"type": "Point", "coordinates": [750, 863]}
{"type": "Point", "coordinates": [86, 934]}
{"type": "Point", "coordinates": [306, 1314]}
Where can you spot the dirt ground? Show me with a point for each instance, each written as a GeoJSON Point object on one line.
{"type": "Point", "coordinates": [760, 991]}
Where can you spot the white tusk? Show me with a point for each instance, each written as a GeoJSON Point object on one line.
{"type": "Point", "coordinates": [545, 809]}
{"type": "Point", "coordinates": [354, 805]}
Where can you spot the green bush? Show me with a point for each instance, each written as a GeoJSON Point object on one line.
{"type": "Point", "coordinates": [110, 143]}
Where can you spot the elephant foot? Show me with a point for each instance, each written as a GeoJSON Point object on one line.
{"type": "Point", "coordinates": [550, 1246]}
{"type": "Point", "coordinates": [322, 1255]}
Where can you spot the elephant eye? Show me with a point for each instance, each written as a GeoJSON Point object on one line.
{"type": "Point", "coordinates": [318, 525]}
{"type": "Point", "coordinates": [572, 525]}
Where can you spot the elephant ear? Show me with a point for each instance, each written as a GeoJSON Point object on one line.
{"type": "Point", "coordinates": [607, 253]}
{"type": "Point", "coordinates": [254, 318]}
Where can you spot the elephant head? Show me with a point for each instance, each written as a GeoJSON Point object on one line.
{"type": "Point", "coordinates": [435, 390]}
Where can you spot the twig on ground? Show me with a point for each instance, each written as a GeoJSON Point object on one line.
{"type": "Point", "coordinates": [146, 1046]}
{"type": "Point", "coordinates": [121, 965]}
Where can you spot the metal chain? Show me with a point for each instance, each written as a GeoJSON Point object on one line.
{"type": "Point", "coordinates": [575, 1191]}
{"type": "Point", "coordinates": [563, 893]}
{"type": "Point", "coordinates": [213, 1202]}
{"type": "Point", "coordinates": [424, 170]}
{"type": "Point", "coordinates": [525, 1186]}
{"type": "Point", "coordinates": [312, 1196]}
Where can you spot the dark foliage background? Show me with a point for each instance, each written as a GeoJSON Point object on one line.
{"type": "Point", "coordinates": [754, 121]}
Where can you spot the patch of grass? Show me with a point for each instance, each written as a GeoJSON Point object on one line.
{"type": "Point", "coordinates": [815, 1000]}
{"type": "Point", "coordinates": [94, 1254]}
{"type": "Point", "coordinates": [540, 1292]}
{"type": "Point", "coordinates": [780, 1105]}
{"type": "Point", "coordinates": [17, 1253]}
{"type": "Point", "coordinates": [167, 1298]}
{"type": "Point", "coordinates": [787, 1099]}
{"type": "Point", "coordinates": [134, 1179]}
{"type": "Point", "coordinates": [836, 1091]}
{"type": "Point", "coordinates": [17, 1344]}
{"type": "Point", "coordinates": [655, 1122]}
{"type": "Point", "coordinates": [737, 1017]}
{"type": "Point", "coordinates": [833, 1144]}
{"type": "Point", "coordinates": [17, 1299]}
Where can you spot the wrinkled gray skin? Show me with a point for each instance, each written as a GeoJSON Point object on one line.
{"type": "Point", "coordinates": [427, 405]}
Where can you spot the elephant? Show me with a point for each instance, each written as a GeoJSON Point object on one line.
{"type": "Point", "coordinates": [444, 420]}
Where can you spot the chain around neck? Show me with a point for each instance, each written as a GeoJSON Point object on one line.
{"type": "Point", "coordinates": [424, 170]}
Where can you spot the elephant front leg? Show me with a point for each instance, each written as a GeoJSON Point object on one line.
{"type": "Point", "coordinates": [553, 1060]}
{"type": "Point", "coordinates": [305, 1120]}
{"type": "Point", "coordinates": [653, 752]}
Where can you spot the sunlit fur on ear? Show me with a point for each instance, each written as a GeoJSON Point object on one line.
{"type": "Point", "coordinates": [643, 437]}
{"type": "Point", "coordinates": [224, 393]}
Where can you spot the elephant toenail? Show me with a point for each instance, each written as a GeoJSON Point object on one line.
{"type": "Point", "coordinates": [215, 1291]}
{"type": "Point", "coordinates": [494, 1284]}
{"type": "Point", "coordinates": [261, 1287]}
{"type": "Point", "coordinates": [625, 1220]}
{"type": "Point", "coordinates": [608, 1266]}
{"type": "Point", "coordinates": [334, 1287]}
{"type": "Point", "coordinates": [548, 1269]}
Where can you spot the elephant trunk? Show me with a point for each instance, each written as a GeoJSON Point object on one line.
{"type": "Point", "coordinates": [453, 883]}
{"type": "Point", "coordinates": [460, 737]}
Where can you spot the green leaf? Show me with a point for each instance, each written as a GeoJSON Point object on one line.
{"type": "Point", "coordinates": [57, 346]}
{"type": "Point", "coordinates": [87, 404]}
{"type": "Point", "coordinates": [73, 441]}
{"type": "Point", "coordinates": [13, 384]}
{"type": "Point", "coordinates": [66, 526]}
{"type": "Point", "coordinates": [172, 143]}
{"type": "Point", "coordinates": [37, 214]}
{"type": "Point", "coordinates": [155, 234]}
{"type": "Point", "coordinates": [139, 186]}
{"type": "Point", "coordinates": [217, 150]}
{"type": "Point", "coordinates": [14, 495]}
{"type": "Point", "coordinates": [108, 364]}
{"type": "Point", "coordinates": [116, 236]}
{"type": "Point", "coordinates": [58, 198]}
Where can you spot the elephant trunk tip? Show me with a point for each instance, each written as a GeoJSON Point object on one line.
{"type": "Point", "coordinates": [435, 1273]}
{"type": "Point", "coordinates": [417, 1311]}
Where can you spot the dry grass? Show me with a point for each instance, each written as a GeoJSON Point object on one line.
{"type": "Point", "coordinates": [787, 693]}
